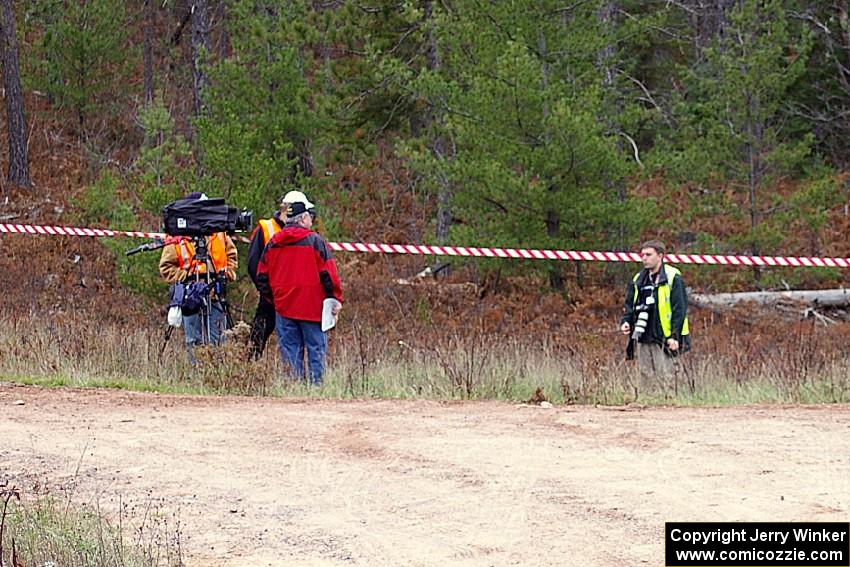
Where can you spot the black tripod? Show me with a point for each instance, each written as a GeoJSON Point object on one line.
{"type": "Point", "coordinates": [216, 282]}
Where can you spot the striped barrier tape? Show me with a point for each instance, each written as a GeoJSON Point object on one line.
{"type": "Point", "coordinates": [474, 252]}
{"type": "Point", "coordinates": [75, 231]}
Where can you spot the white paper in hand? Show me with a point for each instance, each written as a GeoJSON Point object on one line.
{"type": "Point", "coordinates": [328, 318]}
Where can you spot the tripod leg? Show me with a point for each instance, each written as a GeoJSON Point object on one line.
{"type": "Point", "coordinates": [165, 341]}
{"type": "Point", "coordinates": [216, 323]}
{"type": "Point", "coordinates": [227, 317]}
{"type": "Point", "coordinates": [206, 327]}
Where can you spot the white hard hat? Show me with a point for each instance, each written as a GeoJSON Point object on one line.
{"type": "Point", "coordinates": [297, 197]}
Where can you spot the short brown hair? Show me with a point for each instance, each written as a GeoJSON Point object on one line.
{"type": "Point", "coordinates": [656, 245]}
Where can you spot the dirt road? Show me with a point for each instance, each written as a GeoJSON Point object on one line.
{"type": "Point", "coordinates": [284, 482]}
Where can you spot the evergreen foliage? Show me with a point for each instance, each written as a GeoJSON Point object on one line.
{"type": "Point", "coordinates": [85, 61]}
{"type": "Point", "coordinates": [161, 173]}
{"type": "Point", "coordinates": [259, 114]}
{"type": "Point", "coordinates": [518, 123]}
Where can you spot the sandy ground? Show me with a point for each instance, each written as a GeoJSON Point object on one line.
{"type": "Point", "coordinates": [308, 482]}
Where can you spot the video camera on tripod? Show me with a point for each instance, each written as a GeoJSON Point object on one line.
{"type": "Point", "coordinates": [204, 290]}
{"type": "Point", "coordinates": [204, 217]}
{"type": "Point", "coordinates": [198, 218]}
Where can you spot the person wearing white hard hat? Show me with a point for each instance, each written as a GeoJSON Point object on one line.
{"type": "Point", "coordinates": [298, 273]}
{"type": "Point", "coordinates": [263, 324]}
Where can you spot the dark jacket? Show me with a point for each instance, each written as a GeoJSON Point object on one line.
{"type": "Point", "coordinates": [258, 244]}
{"type": "Point", "coordinates": [297, 272]}
{"type": "Point", "coordinates": [678, 306]}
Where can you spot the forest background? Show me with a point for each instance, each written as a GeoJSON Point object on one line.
{"type": "Point", "coordinates": [715, 125]}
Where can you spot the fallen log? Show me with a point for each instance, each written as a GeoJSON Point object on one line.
{"type": "Point", "coordinates": [813, 298]}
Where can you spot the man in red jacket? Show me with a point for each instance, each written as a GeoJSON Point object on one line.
{"type": "Point", "coordinates": [265, 321]}
{"type": "Point", "coordinates": [297, 273]}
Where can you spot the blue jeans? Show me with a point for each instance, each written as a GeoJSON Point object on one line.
{"type": "Point", "coordinates": [297, 336]}
{"type": "Point", "coordinates": [196, 335]}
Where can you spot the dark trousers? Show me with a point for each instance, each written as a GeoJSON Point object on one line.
{"type": "Point", "coordinates": [262, 327]}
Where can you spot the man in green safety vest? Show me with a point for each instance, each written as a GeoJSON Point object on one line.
{"type": "Point", "coordinates": [656, 313]}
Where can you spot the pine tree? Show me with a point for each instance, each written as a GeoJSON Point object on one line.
{"type": "Point", "coordinates": [735, 131]}
{"type": "Point", "coordinates": [87, 59]}
{"type": "Point", "coordinates": [522, 96]}
{"type": "Point", "coordinates": [160, 174]}
{"type": "Point", "coordinates": [258, 106]}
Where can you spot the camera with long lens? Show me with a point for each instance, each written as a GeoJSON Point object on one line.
{"type": "Point", "coordinates": [641, 322]}
{"type": "Point", "coordinates": [647, 300]}
{"type": "Point", "coordinates": [203, 217]}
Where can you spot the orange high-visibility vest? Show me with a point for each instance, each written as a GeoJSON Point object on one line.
{"type": "Point", "coordinates": [270, 228]}
{"type": "Point", "coordinates": [186, 254]}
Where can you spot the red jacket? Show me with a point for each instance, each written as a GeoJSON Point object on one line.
{"type": "Point", "coordinates": [297, 272]}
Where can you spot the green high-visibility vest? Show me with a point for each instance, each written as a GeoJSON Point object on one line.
{"type": "Point", "coordinates": [665, 310]}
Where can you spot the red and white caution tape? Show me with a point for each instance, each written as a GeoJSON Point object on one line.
{"type": "Point", "coordinates": [73, 231]}
{"type": "Point", "coordinates": [519, 253]}
{"type": "Point", "coordinates": [533, 254]}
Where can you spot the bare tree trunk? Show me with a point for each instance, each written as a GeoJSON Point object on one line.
{"type": "Point", "coordinates": [304, 162]}
{"type": "Point", "coordinates": [553, 228]}
{"type": "Point", "coordinates": [224, 34]}
{"type": "Point", "coordinates": [611, 109]}
{"type": "Point", "coordinates": [553, 216]}
{"type": "Point", "coordinates": [612, 105]}
{"type": "Point", "coordinates": [147, 24]}
{"type": "Point", "coordinates": [721, 16]}
{"type": "Point", "coordinates": [817, 298]}
{"type": "Point", "coordinates": [709, 20]}
{"type": "Point", "coordinates": [755, 174]}
{"type": "Point", "coordinates": [17, 126]}
{"type": "Point", "coordinates": [605, 16]}
{"type": "Point", "coordinates": [438, 144]}
{"type": "Point", "coordinates": [844, 27]}
{"type": "Point", "coordinates": [200, 51]}
{"type": "Point", "coordinates": [695, 20]}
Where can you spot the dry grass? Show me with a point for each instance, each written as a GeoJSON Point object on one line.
{"type": "Point", "coordinates": [808, 366]}
{"type": "Point", "coordinates": [39, 528]}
